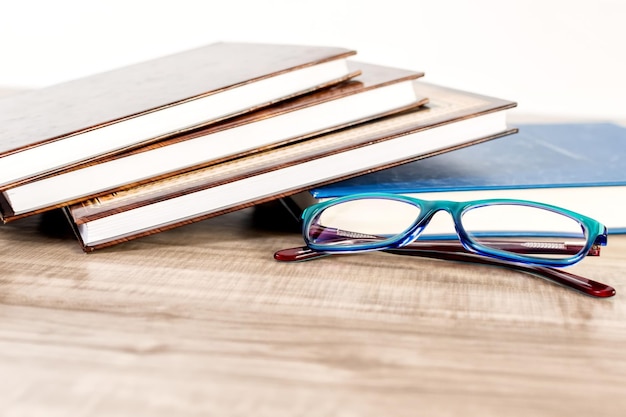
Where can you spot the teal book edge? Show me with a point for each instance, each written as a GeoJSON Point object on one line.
{"type": "Point", "coordinates": [574, 159]}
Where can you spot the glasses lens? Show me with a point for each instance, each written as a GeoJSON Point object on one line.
{"type": "Point", "coordinates": [525, 230]}
{"type": "Point", "coordinates": [359, 223]}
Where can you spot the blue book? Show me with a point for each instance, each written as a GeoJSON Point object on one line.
{"type": "Point", "coordinates": [581, 167]}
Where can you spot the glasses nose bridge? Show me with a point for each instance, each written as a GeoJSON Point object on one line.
{"type": "Point", "coordinates": [428, 212]}
{"type": "Point", "coordinates": [431, 209]}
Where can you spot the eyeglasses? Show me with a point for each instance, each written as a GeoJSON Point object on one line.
{"type": "Point", "coordinates": [519, 234]}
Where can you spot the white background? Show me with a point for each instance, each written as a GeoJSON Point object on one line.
{"type": "Point", "coordinates": [554, 57]}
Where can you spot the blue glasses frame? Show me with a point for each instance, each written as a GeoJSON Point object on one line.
{"type": "Point", "coordinates": [595, 232]}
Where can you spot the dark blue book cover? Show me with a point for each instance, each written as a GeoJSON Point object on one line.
{"type": "Point", "coordinates": [549, 155]}
{"type": "Point", "coordinates": [572, 157]}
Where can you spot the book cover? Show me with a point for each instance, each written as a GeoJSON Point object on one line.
{"type": "Point", "coordinates": [450, 120]}
{"type": "Point", "coordinates": [378, 92]}
{"type": "Point", "coordinates": [578, 166]}
{"type": "Point", "coordinates": [47, 129]}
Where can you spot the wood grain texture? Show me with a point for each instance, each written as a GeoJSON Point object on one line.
{"type": "Point", "coordinates": [201, 320]}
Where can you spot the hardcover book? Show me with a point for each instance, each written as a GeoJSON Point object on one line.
{"type": "Point", "coordinates": [576, 166]}
{"type": "Point", "coordinates": [451, 119]}
{"type": "Point", "coordinates": [51, 128]}
{"type": "Point", "coordinates": [379, 91]}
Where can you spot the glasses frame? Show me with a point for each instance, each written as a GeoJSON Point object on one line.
{"type": "Point", "coordinates": [595, 232]}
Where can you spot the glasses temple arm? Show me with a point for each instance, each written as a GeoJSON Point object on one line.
{"type": "Point", "coordinates": [567, 279]}
{"type": "Point", "coordinates": [575, 282]}
{"type": "Point", "coordinates": [527, 248]}
{"type": "Point", "coordinates": [524, 247]}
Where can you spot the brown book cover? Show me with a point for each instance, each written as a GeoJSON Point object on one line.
{"type": "Point", "coordinates": [452, 119]}
{"type": "Point", "coordinates": [377, 92]}
{"type": "Point", "coordinates": [47, 129]}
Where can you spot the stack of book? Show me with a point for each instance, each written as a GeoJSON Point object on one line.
{"type": "Point", "coordinates": [164, 143]}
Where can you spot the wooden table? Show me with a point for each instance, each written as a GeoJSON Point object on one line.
{"type": "Point", "coordinates": [201, 321]}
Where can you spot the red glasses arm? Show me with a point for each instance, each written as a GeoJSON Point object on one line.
{"type": "Point", "coordinates": [567, 279]}
{"type": "Point", "coordinates": [576, 282]}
